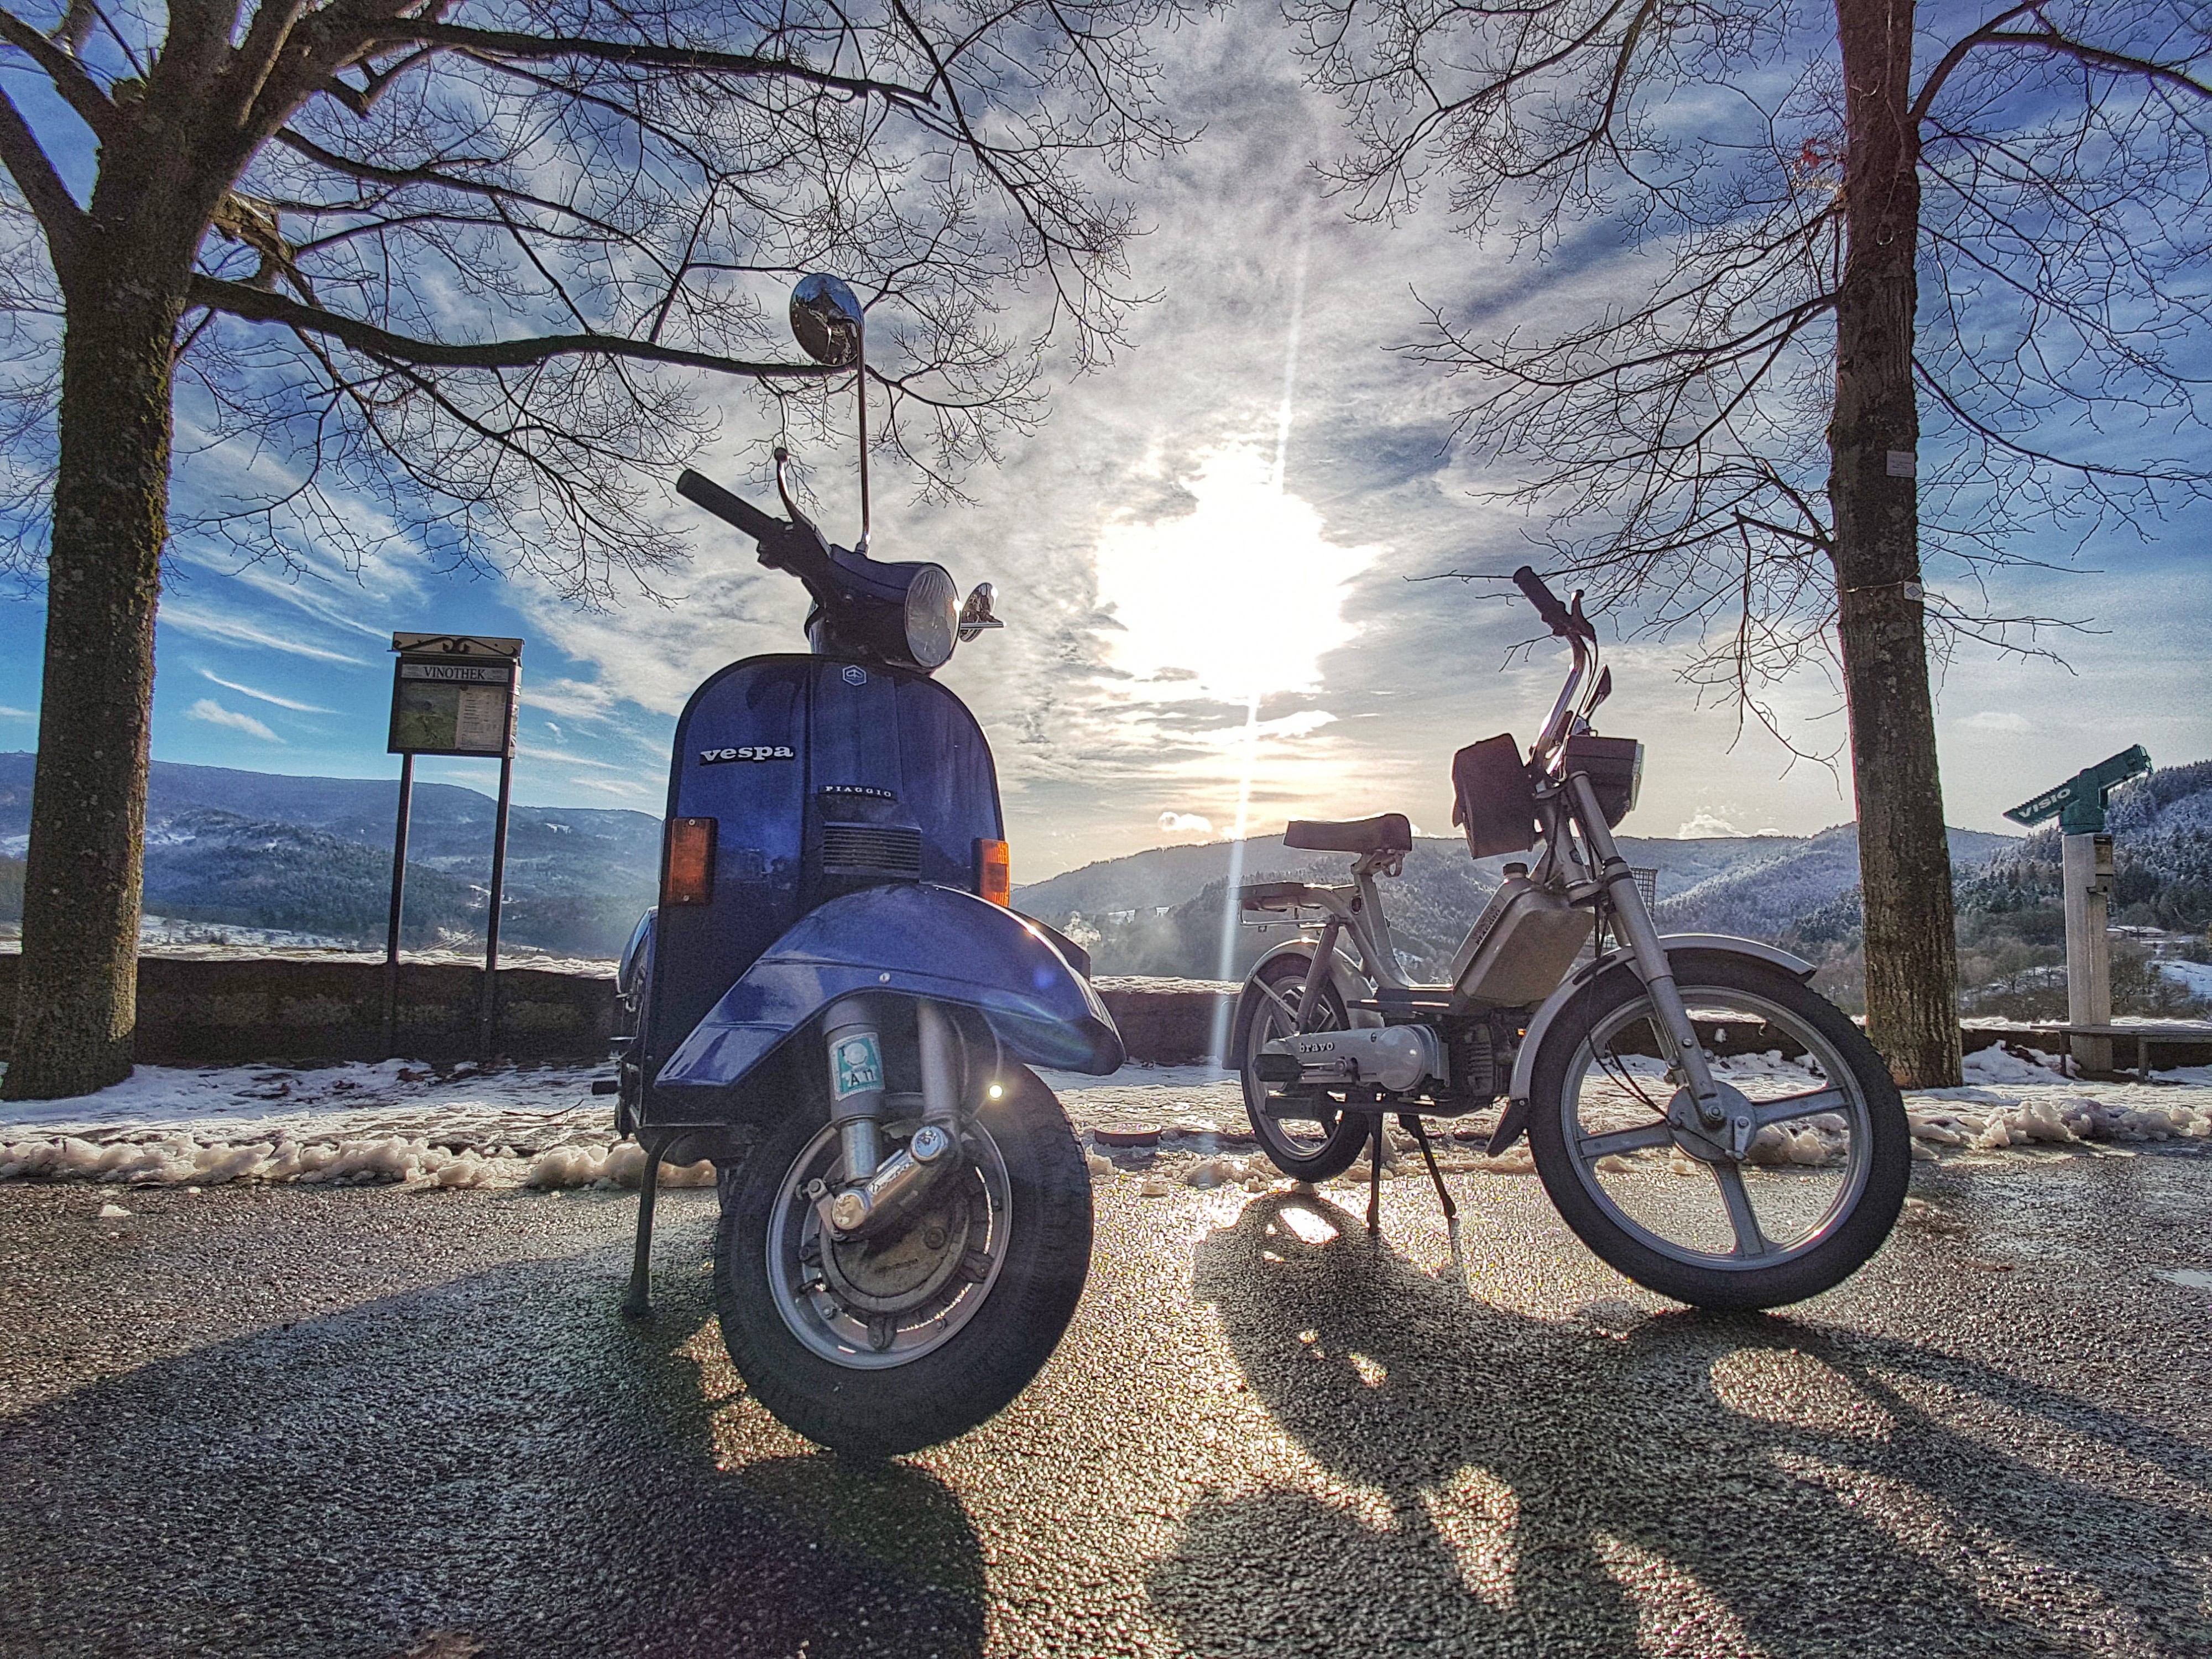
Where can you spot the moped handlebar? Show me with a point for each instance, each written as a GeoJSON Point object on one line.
{"type": "Point", "coordinates": [1571, 625]}
{"type": "Point", "coordinates": [1547, 604]}
{"type": "Point", "coordinates": [733, 509]}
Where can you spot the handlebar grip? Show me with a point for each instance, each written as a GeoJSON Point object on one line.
{"type": "Point", "coordinates": [703, 491]}
{"type": "Point", "coordinates": [1547, 601]}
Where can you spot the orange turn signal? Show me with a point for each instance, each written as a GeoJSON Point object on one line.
{"type": "Point", "coordinates": [689, 877]}
{"type": "Point", "coordinates": [994, 873]}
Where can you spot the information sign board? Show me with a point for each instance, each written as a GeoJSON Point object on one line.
{"type": "Point", "coordinates": [454, 695]}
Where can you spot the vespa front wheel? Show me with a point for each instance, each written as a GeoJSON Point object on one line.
{"type": "Point", "coordinates": [1814, 1193]}
{"type": "Point", "coordinates": [879, 1346]}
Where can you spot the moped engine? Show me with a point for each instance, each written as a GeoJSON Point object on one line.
{"type": "Point", "coordinates": [1394, 1057]}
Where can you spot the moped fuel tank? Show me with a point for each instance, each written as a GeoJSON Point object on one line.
{"type": "Point", "coordinates": [1520, 948]}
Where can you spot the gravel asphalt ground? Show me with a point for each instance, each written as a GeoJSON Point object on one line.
{"type": "Point", "coordinates": [365, 1421]}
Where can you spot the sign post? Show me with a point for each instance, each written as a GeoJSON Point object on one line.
{"type": "Point", "coordinates": [452, 694]}
{"type": "Point", "coordinates": [2085, 872]}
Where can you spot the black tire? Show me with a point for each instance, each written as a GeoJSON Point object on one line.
{"type": "Point", "coordinates": [984, 1363]}
{"type": "Point", "coordinates": [1859, 1219]}
{"type": "Point", "coordinates": [1343, 1134]}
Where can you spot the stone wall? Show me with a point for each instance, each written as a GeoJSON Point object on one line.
{"type": "Point", "coordinates": [230, 1010]}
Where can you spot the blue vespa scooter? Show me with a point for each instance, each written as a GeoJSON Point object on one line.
{"type": "Point", "coordinates": [834, 1003]}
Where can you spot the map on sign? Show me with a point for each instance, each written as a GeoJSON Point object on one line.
{"type": "Point", "coordinates": [460, 701]}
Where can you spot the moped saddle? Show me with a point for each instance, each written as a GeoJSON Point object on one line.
{"type": "Point", "coordinates": [1390, 833]}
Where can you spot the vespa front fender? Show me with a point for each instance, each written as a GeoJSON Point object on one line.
{"type": "Point", "coordinates": [912, 940]}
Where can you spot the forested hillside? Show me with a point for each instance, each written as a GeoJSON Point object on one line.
{"type": "Point", "coordinates": [1161, 912]}
{"type": "Point", "coordinates": [313, 856]}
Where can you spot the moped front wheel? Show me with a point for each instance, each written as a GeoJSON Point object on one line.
{"type": "Point", "coordinates": [879, 1346]}
{"type": "Point", "coordinates": [1815, 1193]}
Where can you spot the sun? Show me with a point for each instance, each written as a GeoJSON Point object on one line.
{"type": "Point", "coordinates": [1240, 596]}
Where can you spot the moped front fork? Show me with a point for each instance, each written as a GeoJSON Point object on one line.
{"type": "Point", "coordinates": [1649, 955]}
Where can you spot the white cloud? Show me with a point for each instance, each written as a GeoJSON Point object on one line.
{"type": "Point", "coordinates": [208, 710]}
{"type": "Point", "coordinates": [307, 591]}
{"type": "Point", "coordinates": [566, 758]}
{"type": "Point", "coordinates": [1704, 826]}
{"type": "Point", "coordinates": [192, 620]}
{"type": "Point", "coordinates": [18, 713]}
{"type": "Point", "coordinates": [1289, 728]}
{"type": "Point", "coordinates": [266, 697]}
{"type": "Point", "coordinates": [1154, 566]}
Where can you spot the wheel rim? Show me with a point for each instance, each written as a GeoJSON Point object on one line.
{"type": "Point", "coordinates": [1280, 1135]}
{"type": "Point", "coordinates": [1808, 1163]}
{"type": "Point", "coordinates": [872, 1304]}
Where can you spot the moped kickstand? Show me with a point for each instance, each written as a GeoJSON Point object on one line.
{"type": "Point", "coordinates": [1412, 1124]}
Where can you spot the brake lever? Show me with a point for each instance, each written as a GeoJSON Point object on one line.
{"type": "Point", "coordinates": [783, 490]}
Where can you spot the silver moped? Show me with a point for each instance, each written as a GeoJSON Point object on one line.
{"type": "Point", "coordinates": [1703, 1120]}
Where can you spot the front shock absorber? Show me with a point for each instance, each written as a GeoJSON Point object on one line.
{"type": "Point", "coordinates": [856, 1085]}
{"type": "Point", "coordinates": [879, 1192]}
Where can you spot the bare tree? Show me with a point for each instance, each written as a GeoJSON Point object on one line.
{"type": "Point", "coordinates": [1740, 447]}
{"type": "Point", "coordinates": [457, 271]}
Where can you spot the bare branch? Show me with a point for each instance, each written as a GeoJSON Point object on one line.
{"type": "Point", "coordinates": [499, 45]}
{"type": "Point", "coordinates": [56, 211]}
{"type": "Point", "coordinates": [259, 305]}
{"type": "Point", "coordinates": [71, 79]}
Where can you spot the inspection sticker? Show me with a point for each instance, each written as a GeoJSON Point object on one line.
{"type": "Point", "coordinates": [858, 1065]}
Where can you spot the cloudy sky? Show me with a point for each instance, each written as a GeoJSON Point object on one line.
{"type": "Point", "coordinates": [1203, 559]}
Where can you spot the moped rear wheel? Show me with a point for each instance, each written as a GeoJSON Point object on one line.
{"type": "Point", "coordinates": [1323, 1139]}
{"type": "Point", "coordinates": [878, 1346]}
{"type": "Point", "coordinates": [1825, 1173]}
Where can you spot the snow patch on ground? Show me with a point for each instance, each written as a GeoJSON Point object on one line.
{"type": "Point", "coordinates": [2194, 977]}
{"type": "Point", "coordinates": [405, 1123]}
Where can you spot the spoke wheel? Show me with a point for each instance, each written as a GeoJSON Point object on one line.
{"type": "Point", "coordinates": [1826, 1172]}
{"type": "Point", "coordinates": [1325, 1140]}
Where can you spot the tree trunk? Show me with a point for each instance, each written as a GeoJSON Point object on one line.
{"type": "Point", "coordinates": [76, 995]}
{"type": "Point", "coordinates": [1904, 860]}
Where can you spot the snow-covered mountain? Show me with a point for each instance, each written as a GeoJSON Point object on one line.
{"type": "Point", "coordinates": [2161, 830]}
{"type": "Point", "coordinates": [1766, 898]}
{"type": "Point", "coordinates": [314, 856]}
{"type": "Point", "coordinates": [1160, 911]}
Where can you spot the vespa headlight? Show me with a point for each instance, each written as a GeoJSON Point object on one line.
{"type": "Point", "coordinates": [933, 612]}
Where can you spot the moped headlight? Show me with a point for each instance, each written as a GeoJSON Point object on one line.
{"type": "Point", "coordinates": [932, 613]}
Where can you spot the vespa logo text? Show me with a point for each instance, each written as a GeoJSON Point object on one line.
{"type": "Point", "coordinates": [758, 751]}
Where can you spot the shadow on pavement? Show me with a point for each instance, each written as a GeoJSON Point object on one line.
{"type": "Point", "coordinates": [500, 1457]}
{"type": "Point", "coordinates": [1677, 1482]}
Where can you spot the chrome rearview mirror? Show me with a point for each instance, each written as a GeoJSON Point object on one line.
{"type": "Point", "coordinates": [830, 327]}
{"type": "Point", "coordinates": [827, 321]}
{"type": "Point", "coordinates": [975, 615]}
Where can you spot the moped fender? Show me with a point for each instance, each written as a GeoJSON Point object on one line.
{"type": "Point", "coordinates": [1525, 1064]}
{"type": "Point", "coordinates": [1350, 984]}
{"type": "Point", "coordinates": [914, 940]}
